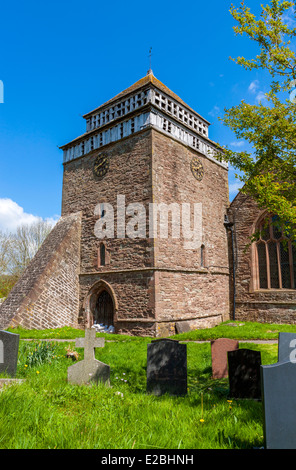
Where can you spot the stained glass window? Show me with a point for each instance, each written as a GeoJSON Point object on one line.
{"type": "Point", "coordinates": [276, 257]}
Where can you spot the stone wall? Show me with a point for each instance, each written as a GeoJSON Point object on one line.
{"type": "Point", "coordinates": [187, 289]}
{"type": "Point", "coordinates": [156, 282]}
{"type": "Point", "coordinates": [199, 299]}
{"type": "Point", "coordinates": [251, 304]}
{"type": "Point", "coordinates": [173, 182]}
{"type": "Point", "coordinates": [46, 296]}
{"type": "Point", "coordinates": [129, 175]}
{"type": "Point", "coordinates": [127, 260]}
{"type": "Point", "coordinates": [133, 293]}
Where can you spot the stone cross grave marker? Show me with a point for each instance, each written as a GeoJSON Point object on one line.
{"type": "Point", "coordinates": [278, 399]}
{"type": "Point", "coordinates": [286, 347]}
{"type": "Point", "coordinates": [244, 374]}
{"type": "Point", "coordinates": [89, 369]}
{"type": "Point", "coordinates": [166, 367]}
{"type": "Point", "coordinates": [219, 350]}
{"type": "Point", "coordinates": [9, 346]}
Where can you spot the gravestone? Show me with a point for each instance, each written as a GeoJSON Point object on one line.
{"type": "Point", "coordinates": [278, 400]}
{"type": "Point", "coordinates": [286, 347]}
{"type": "Point", "coordinates": [182, 327]}
{"type": "Point", "coordinates": [9, 346]}
{"type": "Point", "coordinates": [166, 367]}
{"type": "Point", "coordinates": [244, 373]}
{"type": "Point", "coordinates": [89, 369]}
{"type": "Point", "coordinates": [219, 350]}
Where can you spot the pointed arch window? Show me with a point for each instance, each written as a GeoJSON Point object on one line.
{"type": "Point", "coordinates": [276, 257]}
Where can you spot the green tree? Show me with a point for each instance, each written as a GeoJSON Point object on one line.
{"type": "Point", "coordinates": [4, 252]}
{"type": "Point", "coordinates": [25, 243]}
{"type": "Point", "coordinates": [17, 250]}
{"type": "Point", "coordinates": [7, 281]}
{"type": "Point", "coordinates": [269, 172]}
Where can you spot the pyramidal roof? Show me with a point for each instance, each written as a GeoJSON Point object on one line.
{"type": "Point", "coordinates": [148, 103]}
{"type": "Point", "coordinates": [148, 79]}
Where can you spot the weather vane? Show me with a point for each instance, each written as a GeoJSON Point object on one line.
{"type": "Point", "coordinates": [150, 53]}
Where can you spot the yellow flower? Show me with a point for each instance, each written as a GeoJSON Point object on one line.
{"type": "Point", "coordinates": [202, 420]}
{"type": "Point", "coordinates": [229, 401]}
{"type": "Point", "coordinates": [26, 365]}
{"type": "Point", "coordinates": [37, 371]}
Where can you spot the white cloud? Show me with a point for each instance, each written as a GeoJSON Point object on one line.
{"type": "Point", "coordinates": [234, 187]}
{"type": "Point", "coordinates": [12, 215]}
{"type": "Point", "coordinates": [289, 18]}
{"type": "Point", "coordinates": [253, 87]}
{"type": "Point", "coordinates": [215, 111]}
{"type": "Point", "coordinates": [238, 143]}
{"type": "Point", "coordinates": [260, 96]}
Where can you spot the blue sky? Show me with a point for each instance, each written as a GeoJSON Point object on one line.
{"type": "Point", "coordinates": [61, 59]}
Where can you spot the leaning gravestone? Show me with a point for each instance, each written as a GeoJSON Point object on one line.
{"type": "Point", "coordinates": [9, 345]}
{"type": "Point", "coordinates": [89, 369]}
{"type": "Point", "coordinates": [244, 373]}
{"type": "Point", "coordinates": [286, 346]}
{"type": "Point", "coordinates": [182, 327]}
{"type": "Point", "coordinates": [219, 350]}
{"type": "Point", "coordinates": [278, 399]}
{"type": "Point", "coordinates": [166, 367]}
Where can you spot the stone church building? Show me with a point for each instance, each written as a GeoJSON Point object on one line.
{"type": "Point", "coordinates": [146, 152]}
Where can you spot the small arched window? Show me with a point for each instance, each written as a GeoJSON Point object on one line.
{"type": "Point", "coordinates": [276, 257]}
{"type": "Point", "coordinates": [202, 256]}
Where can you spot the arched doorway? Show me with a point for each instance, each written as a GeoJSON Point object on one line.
{"type": "Point", "coordinates": [100, 305]}
{"type": "Point", "coordinates": [104, 310]}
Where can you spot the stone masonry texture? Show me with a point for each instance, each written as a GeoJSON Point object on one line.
{"type": "Point", "coordinates": [263, 305]}
{"type": "Point", "coordinates": [156, 282]}
{"type": "Point", "coordinates": [46, 296]}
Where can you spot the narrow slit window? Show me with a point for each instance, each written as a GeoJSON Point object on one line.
{"type": "Point", "coordinates": [202, 256]}
{"type": "Point", "coordinates": [102, 254]}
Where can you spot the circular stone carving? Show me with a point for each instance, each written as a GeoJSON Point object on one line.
{"type": "Point", "coordinates": [101, 165]}
{"type": "Point", "coordinates": [197, 168]}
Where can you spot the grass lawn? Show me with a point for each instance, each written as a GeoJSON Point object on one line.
{"type": "Point", "coordinates": [45, 412]}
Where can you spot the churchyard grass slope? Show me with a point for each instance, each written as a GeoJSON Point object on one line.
{"type": "Point", "coordinates": [238, 330]}
{"type": "Point", "coordinates": [230, 329]}
{"type": "Point", "coordinates": [45, 411]}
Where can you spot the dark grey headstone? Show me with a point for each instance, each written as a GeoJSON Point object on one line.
{"type": "Point", "coordinates": [286, 347]}
{"type": "Point", "coordinates": [244, 373]}
{"type": "Point", "coordinates": [278, 399]}
{"type": "Point", "coordinates": [9, 346]}
{"type": "Point", "coordinates": [166, 367]}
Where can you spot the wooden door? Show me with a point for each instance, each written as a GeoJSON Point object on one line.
{"type": "Point", "coordinates": [104, 309]}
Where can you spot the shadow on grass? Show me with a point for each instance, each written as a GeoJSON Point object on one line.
{"type": "Point", "coordinates": [202, 382]}
{"type": "Point", "coordinates": [233, 442]}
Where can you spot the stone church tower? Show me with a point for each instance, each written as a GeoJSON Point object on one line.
{"type": "Point", "coordinates": [145, 155]}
